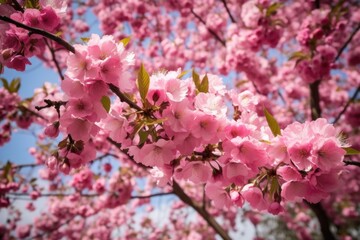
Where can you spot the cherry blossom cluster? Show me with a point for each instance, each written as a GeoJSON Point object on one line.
{"type": "Point", "coordinates": [17, 44]}
{"type": "Point", "coordinates": [183, 132]}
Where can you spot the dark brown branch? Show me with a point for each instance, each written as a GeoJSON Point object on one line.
{"type": "Point", "coordinates": [20, 166]}
{"type": "Point", "coordinates": [123, 97]}
{"type": "Point", "coordinates": [347, 105]}
{"type": "Point", "coordinates": [209, 30]}
{"type": "Point", "coordinates": [228, 11]}
{"type": "Point", "coordinates": [353, 163]}
{"type": "Point", "coordinates": [178, 191]}
{"type": "Point", "coordinates": [315, 100]}
{"type": "Point", "coordinates": [54, 60]}
{"type": "Point", "coordinates": [87, 195]}
{"type": "Point", "coordinates": [25, 109]}
{"type": "Point", "coordinates": [323, 220]}
{"type": "Point", "coordinates": [347, 42]}
{"type": "Point", "coordinates": [40, 32]}
{"type": "Point", "coordinates": [152, 195]}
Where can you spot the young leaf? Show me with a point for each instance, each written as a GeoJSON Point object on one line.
{"type": "Point", "coordinates": [125, 41]}
{"type": "Point", "coordinates": [105, 101]}
{"type": "Point", "coordinates": [143, 82]}
{"type": "Point", "coordinates": [273, 124]}
{"type": "Point", "coordinates": [14, 85]}
{"type": "Point", "coordinates": [183, 73]}
{"type": "Point", "coordinates": [351, 151]}
{"type": "Point", "coordinates": [5, 83]}
{"type": "Point", "coordinates": [196, 79]}
{"type": "Point", "coordinates": [204, 86]}
{"type": "Point", "coordinates": [32, 4]}
{"type": "Point", "coordinates": [85, 39]}
{"type": "Point", "coordinates": [272, 9]}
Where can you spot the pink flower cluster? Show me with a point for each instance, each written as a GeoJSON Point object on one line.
{"type": "Point", "coordinates": [187, 135]}
{"type": "Point", "coordinates": [18, 44]}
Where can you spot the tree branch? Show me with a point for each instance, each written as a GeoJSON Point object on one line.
{"type": "Point", "coordinates": [123, 97]}
{"type": "Point", "coordinates": [209, 30]}
{"type": "Point", "coordinates": [40, 32]}
{"type": "Point", "coordinates": [352, 163]}
{"type": "Point", "coordinates": [54, 59]}
{"type": "Point", "coordinates": [228, 11]}
{"type": "Point", "coordinates": [347, 105]}
{"type": "Point", "coordinates": [178, 191]}
{"type": "Point", "coordinates": [347, 42]}
{"type": "Point", "coordinates": [315, 100]}
{"type": "Point", "coordinates": [323, 220]}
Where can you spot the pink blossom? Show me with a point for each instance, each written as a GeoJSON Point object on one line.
{"type": "Point", "coordinates": [18, 63]}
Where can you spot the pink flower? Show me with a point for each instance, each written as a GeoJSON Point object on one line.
{"type": "Point", "coordinates": [211, 104]}
{"type": "Point", "coordinates": [254, 196]}
{"type": "Point", "coordinates": [300, 155]}
{"type": "Point", "coordinates": [328, 154]}
{"type": "Point", "coordinates": [18, 63]}
{"type": "Point", "coordinates": [197, 172]}
{"type": "Point", "coordinates": [156, 154]}
{"type": "Point", "coordinates": [218, 195]}
{"type": "Point", "coordinates": [204, 127]}
{"type": "Point", "coordinates": [52, 130]}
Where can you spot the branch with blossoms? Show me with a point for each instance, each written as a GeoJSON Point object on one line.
{"type": "Point", "coordinates": [178, 130]}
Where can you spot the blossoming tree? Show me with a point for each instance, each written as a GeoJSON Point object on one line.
{"type": "Point", "coordinates": [229, 108]}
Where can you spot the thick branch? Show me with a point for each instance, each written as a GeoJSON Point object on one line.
{"type": "Point", "coordinates": [207, 217]}
{"type": "Point", "coordinates": [212, 32]}
{"type": "Point", "coordinates": [323, 220]}
{"type": "Point", "coordinates": [40, 32]}
{"type": "Point", "coordinates": [123, 97]}
{"type": "Point", "coordinates": [228, 11]}
{"type": "Point", "coordinates": [315, 100]}
{"type": "Point", "coordinates": [347, 105]}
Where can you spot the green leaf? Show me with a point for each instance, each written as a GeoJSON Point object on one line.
{"type": "Point", "coordinates": [143, 82]}
{"type": "Point", "coordinates": [63, 143]}
{"type": "Point", "coordinates": [299, 55]}
{"type": "Point", "coordinates": [105, 101]}
{"type": "Point", "coordinates": [143, 136]}
{"type": "Point", "coordinates": [85, 39]}
{"type": "Point", "coordinates": [14, 85]}
{"type": "Point", "coordinates": [351, 151]}
{"type": "Point", "coordinates": [196, 79]}
{"type": "Point", "coordinates": [5, 83]}
{"type": "Point", "coordinates": [150, 122]}
{"type": "Point", "coordinates": [125, 41]}
{"type": "Point", "coordinates": [7, 171]}
{"type": "Point", "coordinates": [183, 73]}
{"type": "Point", "coordinates": [138, 126]}
{"type": "Point", "coordinates": [273, 124]}
{"type": "Point", "coordinates": [204, 86]}
{"type": "Point", "coordinates": [32, 4]}
{"type": "Point", "coordinates": [272, 9]}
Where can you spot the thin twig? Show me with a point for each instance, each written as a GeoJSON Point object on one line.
{"type": "Point", "coordinates": [20, 166]}
{"type": "Point", "coordinates": [228, 11]}
{"type": "Point", "coordinates": [209, 30]}
{"type": "Point", "coordinates": [347, 105]}
{"type": "Point", "coordinates": [347, 42]}
{"type": "Point", "coordinates": [54, 59]}
{"type": "Point", "coordinates": [206, 216]}
{"type": "Point", "coordinates": [152, 195]}
{"type": "Point", "coordinates": [40, 32]}
{"type": "Point", "coordinates": [25, 109]}
{"type": "Point", "coordinates": [352, 163]}
{"type": "Point", "coordinates": [16, 6]}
